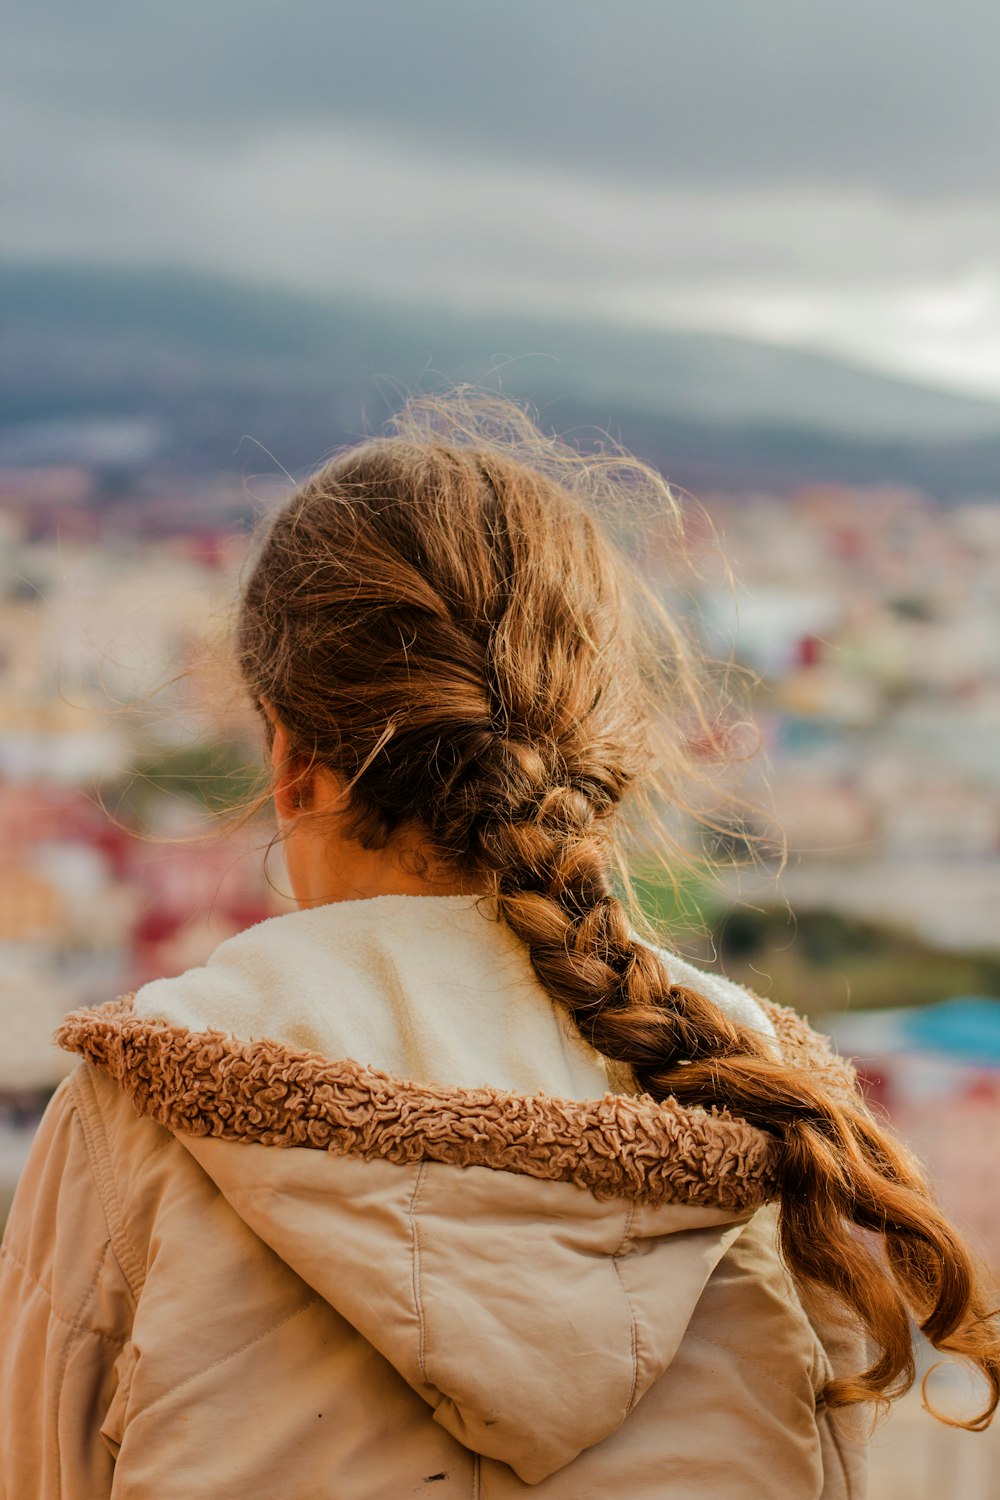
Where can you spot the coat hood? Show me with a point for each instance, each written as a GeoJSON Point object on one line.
{"type": "Point", "coordinates": [459, 1176]}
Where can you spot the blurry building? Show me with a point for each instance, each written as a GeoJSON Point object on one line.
{"type": "Point", "coordinates": [934, 1072]}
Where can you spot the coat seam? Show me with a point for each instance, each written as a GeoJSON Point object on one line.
{"type": "Point", "coordinates": [96, 1141]}
{"type": "Point", "coordinates": [74, 1327]}
{"type": "Point", "coordinates": [415, 1250]}
{"type": "Point", "coordinates": [169, 1140]}
{"type": "Point", "coordinates": [626, 1231]}
{"type": "Point", "coordinates": [633, 1329]}
{"type": "Point", "coordinates": [224, 1358]}
{"type": "Point", "coordinates": [73, 1323]}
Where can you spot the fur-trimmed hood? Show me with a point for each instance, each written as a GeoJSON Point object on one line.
{"type": "Point", "coordinates": [521, 1236]}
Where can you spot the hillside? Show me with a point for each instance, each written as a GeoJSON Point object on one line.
{"type": "Point", "coordinates": [209, 361]}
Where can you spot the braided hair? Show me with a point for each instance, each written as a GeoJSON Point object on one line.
{"type": "Point", "coordinates": [438, 617]}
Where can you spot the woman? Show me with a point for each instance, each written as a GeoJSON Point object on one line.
{"type": "Point", "coordinates": [448, 1181]}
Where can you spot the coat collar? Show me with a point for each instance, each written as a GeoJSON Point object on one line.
{"type": "Point", "coordinates": [207, 1083]}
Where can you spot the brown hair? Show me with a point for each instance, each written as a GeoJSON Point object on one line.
{"type": "Point", "coordinates": [438, 617]}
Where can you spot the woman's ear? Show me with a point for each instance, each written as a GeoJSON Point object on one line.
{"type": "Point", "coordinates": [279, 746]}
{"type": "Point", "coordinates": [269, 714]}
{"type": "Point", "coordinates": [290, 794]}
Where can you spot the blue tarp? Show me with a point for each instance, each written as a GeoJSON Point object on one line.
{"type": "Point", "coordinates": [967, 1027]}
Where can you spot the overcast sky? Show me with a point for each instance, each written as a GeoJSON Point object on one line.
{"type": "Point", "coordinates": [825, 174]}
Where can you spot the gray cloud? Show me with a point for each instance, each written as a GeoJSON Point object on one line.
{"type": "Point", "coordinates": [889, 97]}
{"type": "Point", "coordinates": [826, 174]}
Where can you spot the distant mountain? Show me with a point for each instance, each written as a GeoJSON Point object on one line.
{"type": "Point", "coordinates": [202, 361]}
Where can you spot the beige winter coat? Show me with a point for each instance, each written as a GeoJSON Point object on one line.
{"type": "Point", "coordinates": [353, 1212]}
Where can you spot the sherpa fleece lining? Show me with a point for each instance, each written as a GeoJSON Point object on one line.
{"type": "Point", "coordinates": [436, 989]}
{"type": "Point", "coordinates": [269, 1093]}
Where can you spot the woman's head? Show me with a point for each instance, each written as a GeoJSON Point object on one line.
{"type": "Point", "coordinates": [449, 632]}
{"type": "Point", "coordinates": [437, 620]}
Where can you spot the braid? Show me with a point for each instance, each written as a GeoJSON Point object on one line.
{"type": "Point", "coordinates": [547, 861]}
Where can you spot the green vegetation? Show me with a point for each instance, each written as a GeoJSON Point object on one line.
{"type": "Point", "coordinates": [815, 960]}
{"type": "Point", "coordinates": [825, 960]}
{"type": "Point", "coordinates": [216, 775]}
{"type": "Point", "coordinates": [686, 905]}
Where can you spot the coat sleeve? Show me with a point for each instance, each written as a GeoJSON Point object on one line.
{"type": "Point", "coordinates": [66, 1309]}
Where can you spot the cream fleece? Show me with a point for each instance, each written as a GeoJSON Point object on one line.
{"type": "Point", "coordinates": [426, 988]}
